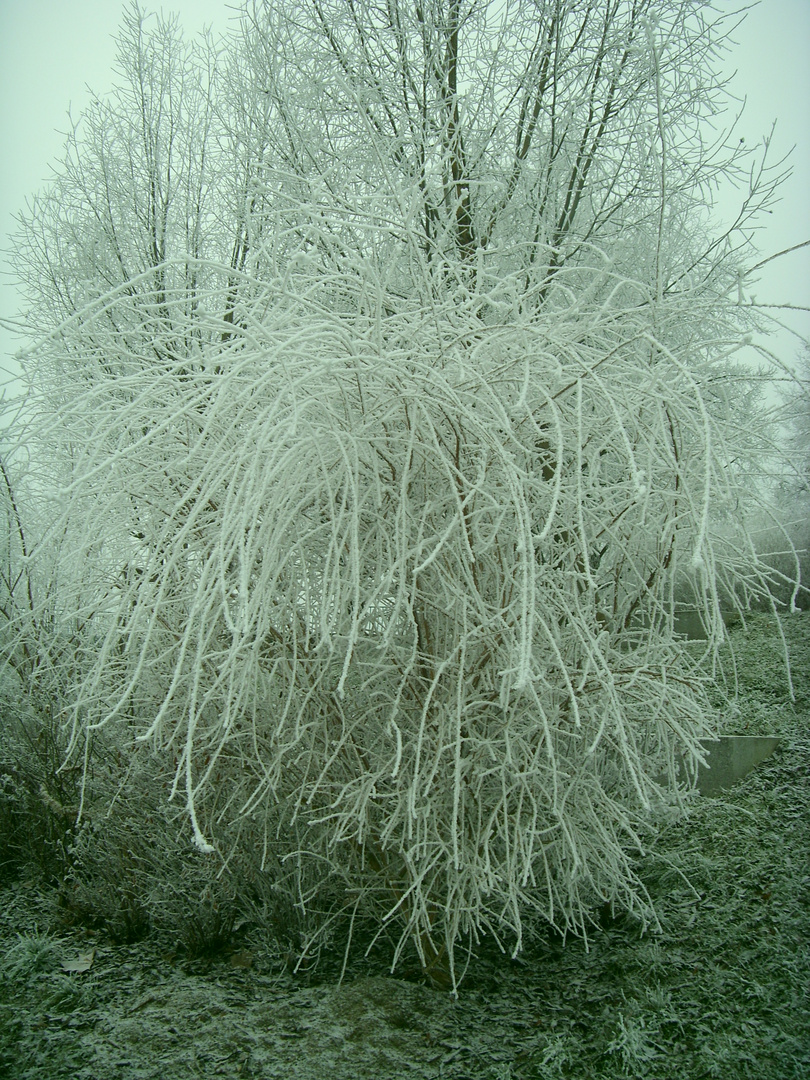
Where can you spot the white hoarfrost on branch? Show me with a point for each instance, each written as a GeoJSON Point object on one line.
{"type": "Point", "coordinates": [379, 493]}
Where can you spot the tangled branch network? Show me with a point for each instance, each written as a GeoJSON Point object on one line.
{"type": "Point", "coordinates": [393, 580]}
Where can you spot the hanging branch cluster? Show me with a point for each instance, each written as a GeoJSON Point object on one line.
{"type": "Point", "coordinates": [407, 582]}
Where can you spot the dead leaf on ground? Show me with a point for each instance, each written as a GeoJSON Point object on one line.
{"type": "Point", "coordinates": [83, 962]}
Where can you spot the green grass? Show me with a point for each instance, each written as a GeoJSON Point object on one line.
{"type": "Point", "coordinates": [720, 990]}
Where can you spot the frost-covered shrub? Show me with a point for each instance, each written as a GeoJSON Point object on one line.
{"type": "Point", "coordinates": [133, 871]}
{"type": "Point", "coordinates": [39, 790]}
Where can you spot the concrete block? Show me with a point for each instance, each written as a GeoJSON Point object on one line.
{"type": "Point", "coordinates": [688, 622]}
{"type": "Point", "coordinates": [730, 758]}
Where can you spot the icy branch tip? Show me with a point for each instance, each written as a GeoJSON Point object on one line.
{"type": "Point", "coordinates": [202, 844]}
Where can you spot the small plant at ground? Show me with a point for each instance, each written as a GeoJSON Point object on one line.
{"type": "Point", "coordinates": [39, 791]}
{"type": "Point", "coordinates": [30, 955]}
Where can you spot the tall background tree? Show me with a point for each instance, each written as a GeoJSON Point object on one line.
{"type": "Point", "coordinates": [393, 373]}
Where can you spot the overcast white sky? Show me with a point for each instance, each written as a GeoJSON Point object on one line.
{"type": "Point", "coordinates": [51, 50]}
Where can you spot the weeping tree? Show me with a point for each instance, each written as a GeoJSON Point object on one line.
{"type": "Point", "coordinates": [383, 473]}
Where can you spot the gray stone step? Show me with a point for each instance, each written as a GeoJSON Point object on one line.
{"type": "Point", "coordinates": [730, 758]}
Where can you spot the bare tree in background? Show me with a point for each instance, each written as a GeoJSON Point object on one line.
{"type": "Point", "coordinates": [396, 414]}
{"type": "Point", "coordinates": [145, 197]}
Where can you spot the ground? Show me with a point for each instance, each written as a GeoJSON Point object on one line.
{"type": "Point", "coordinates": [719, 990]}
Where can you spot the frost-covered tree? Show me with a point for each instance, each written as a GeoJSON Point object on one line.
{"type": "Point", "coordinates": [797, 416]}
{"type": "Point", "coordinates": [511, 137]}
{"type": "Point", "coordinates": [379, 510]}
{"type": "Point", "coordinates": [783, 538]}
